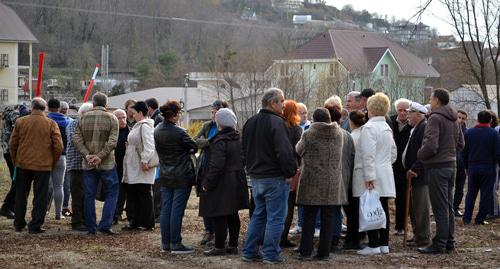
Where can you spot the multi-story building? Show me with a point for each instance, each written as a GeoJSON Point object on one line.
{"type": "Point", "coordinates": [16, 42]}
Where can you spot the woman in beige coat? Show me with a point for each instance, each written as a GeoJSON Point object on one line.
{"type": "Point", "coordinates": [321, 185]}
{"type": "Point", "coordinates": [138, 174]}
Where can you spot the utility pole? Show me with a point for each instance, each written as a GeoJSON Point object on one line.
{"type": "Point", "coordinates": [105, 68]}
{"type": "Point", "coordinates": [186, 114]}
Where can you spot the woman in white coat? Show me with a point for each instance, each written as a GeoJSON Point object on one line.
{"type": "Point", "coordinates": [139, 171]}
{"type": "Point", "coordinates": [377, 151]}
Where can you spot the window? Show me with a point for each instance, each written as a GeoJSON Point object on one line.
{"type": "Point", "coordinates": [4, 60]}
{"type": "Point", "coordinates": [384, 70]}
{"type": "Point", "coordinates": [4, 95]}
{"type": "Point", "coordinates": [301, 66]}
{"type": "Point", "coordinates": [314, 66]}
{"type": "Point", "coordinates": [332, 70]}
{"type": "Point", "coordinates": [284, 69]}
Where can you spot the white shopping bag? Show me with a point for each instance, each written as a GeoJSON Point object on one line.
{"type": "Point", "coordinates": [371, 212]}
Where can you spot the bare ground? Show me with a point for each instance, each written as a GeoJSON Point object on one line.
{"type": "Point", "coordinates": [59, 247]}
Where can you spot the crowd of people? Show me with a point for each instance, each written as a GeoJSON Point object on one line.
{"type": "Point", "coordinates": [139, 160]}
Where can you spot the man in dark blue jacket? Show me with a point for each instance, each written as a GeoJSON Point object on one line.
{"type": "Point", "coordinates": [481, 156]}
{"type": "Point", "coordinates": [270, 161]}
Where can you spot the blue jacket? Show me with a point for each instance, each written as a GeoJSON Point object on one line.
{"type": "Point", "coordinates": [482, 148]}
{"type": "Point", "coordinates": [63, 122]}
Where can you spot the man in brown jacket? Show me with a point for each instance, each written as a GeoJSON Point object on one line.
{"type": "Point", "coordinates": [442, 137]}
{"type": "Point", "coordinates": [35, 147]}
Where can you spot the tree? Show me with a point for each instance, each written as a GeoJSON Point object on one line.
{"type": "Point", "coordinates": [477, 25]}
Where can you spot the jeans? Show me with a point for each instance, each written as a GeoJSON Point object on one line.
{"type": "Point", "coordinates": [300, 219]}
{"type": "Point", "coordinates": [40, 180]}
{"type": "Point", "coordinates": [337, 222]}
{"type": "Point", "coordinates": [441, 181]}
{"type": "Point", "coordinates": [174, 203]}
{"type": "Point", "coordinates": [270, 196]}
{"type": "Point", "coordinates": [480, 180]}
{"type": "Point", "coordinates": [109, 180]}
{"type": "Point", "coordinates": [56, 187]}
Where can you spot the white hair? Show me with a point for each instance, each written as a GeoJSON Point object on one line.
{"type": "Point", "coordinates": [401, 100]}
{"type": "Point", "coordinates": [119, 110]}
{"type": "Point", "coordinates": [302, 105]}
{"type": "Point", "coordinates": [85, 107]}
{"type": "Point", "coordinates": [334, 100]}
{"type": "Point", "coordinates": [64, 104]}
{"type": "Point", "coordinates": [353, 93]}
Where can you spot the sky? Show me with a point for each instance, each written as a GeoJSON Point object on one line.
{"type": "Point", "coordinates": [435, 16]}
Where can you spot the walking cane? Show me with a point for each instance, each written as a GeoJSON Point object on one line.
{"type": "Point", "coordinates": [407, 208]}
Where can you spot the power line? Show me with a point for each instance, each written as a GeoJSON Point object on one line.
{"type": "Point", "coordinates": [151, 17]}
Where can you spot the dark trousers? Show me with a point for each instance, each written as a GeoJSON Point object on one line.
{"type": "Point", "coordinates": [400, 202]}
{"type": "Point", "coordinates": [77, 197]}
{"type": "Point", "coordinates": [40, 181]}
{"type": "Point", "coordinates": [352, 213]}
{"type": "Point", "coordinates": [326, 230]}
{"type": "Point", "coordinates": [223, 224]}
{"type": "Point", "coordinates": [480, 180]}
{"type": "Point", "coordinates": [10, 198]}
{"type": "Point", "coordinates": [459, 187]}
{"type": "Point", "coordinates": [380, 237]}
{"type": "Point", "coordinates": [141, 205]}
{"type": "Point", "coordinates": [208, 222]}
{"type": "Point", "coordinates": [120, 204]}
{"type": "Point", "coordinates": [157, 198]}
{"type": "Point", "coordinates": [289, 216]}
{"type": "Point", "coordinates": [441, 181]}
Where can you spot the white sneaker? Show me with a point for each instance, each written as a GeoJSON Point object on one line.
{"type": "Point", "coordinates": [369, 251]}
{"type": "Point", "coordinates": [316, 233]}
{"type": "Point", "coordinates": [344, 228]}
{"type": "Point", "coordinates": [296, 230]}
{"type": "Point", "coordinates": [384, 249]}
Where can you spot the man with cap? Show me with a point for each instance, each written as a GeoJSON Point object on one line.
{"type": "Point", "coordinates": [207, 132]}
{"type": "Point", "coordinates": [419, 199]}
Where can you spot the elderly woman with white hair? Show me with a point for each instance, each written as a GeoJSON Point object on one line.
{"type": "Point", "coordinates": [74, 167]}
{"type": "Point", "coordinates": [224, 189]}
{"type": "Point", "coordinates": [377, 151]}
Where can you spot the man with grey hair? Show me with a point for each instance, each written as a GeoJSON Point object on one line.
{"type": "Point", "coordinates": [74, 168]}
{"type": "Point", "coordinates": [270, 161]}
{"type": "Point", "coordinates": [35, 147]}
{"type": "Point", "coordinates": [351, 104]}
{"type": "Point", "coordinates": [401, 132]}
{"type": "Point", "coordinates": [121, 146]}
{"type": "Point", "coordinates": [95, 137]}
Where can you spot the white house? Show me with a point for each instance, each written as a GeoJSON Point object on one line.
{"type": "Point", "coordinates": [16, 68]}
{"type": "Point", "coordinates": [470, 99]}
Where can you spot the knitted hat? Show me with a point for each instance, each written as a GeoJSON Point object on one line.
{"type": "Point", "coordinates": [225, 118]}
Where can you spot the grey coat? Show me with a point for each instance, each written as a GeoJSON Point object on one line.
{"type": "Point", "coordinates": [321, 180]}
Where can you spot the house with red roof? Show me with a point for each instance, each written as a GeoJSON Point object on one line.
{"type": "Point", "coordinates": [339, 61]}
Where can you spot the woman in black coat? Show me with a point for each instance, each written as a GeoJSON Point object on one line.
{"type": "Point", "coordinates": [224, 189]}
{"type": "Point", "coordinates": [177, 176]}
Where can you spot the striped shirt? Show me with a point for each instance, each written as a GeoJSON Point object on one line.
{"type": "Point", "coordinates": [97, 134]}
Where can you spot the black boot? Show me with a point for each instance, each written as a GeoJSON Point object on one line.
{"type": "Point", "coordinates": [335, 245]}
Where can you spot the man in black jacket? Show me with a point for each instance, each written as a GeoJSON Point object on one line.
{"type": "Point", "coordinates": [419, 203]}
{"type": "Point", "coordinates": [269, 160]}
{"type": "Point", "coordinates": [401, 131]}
